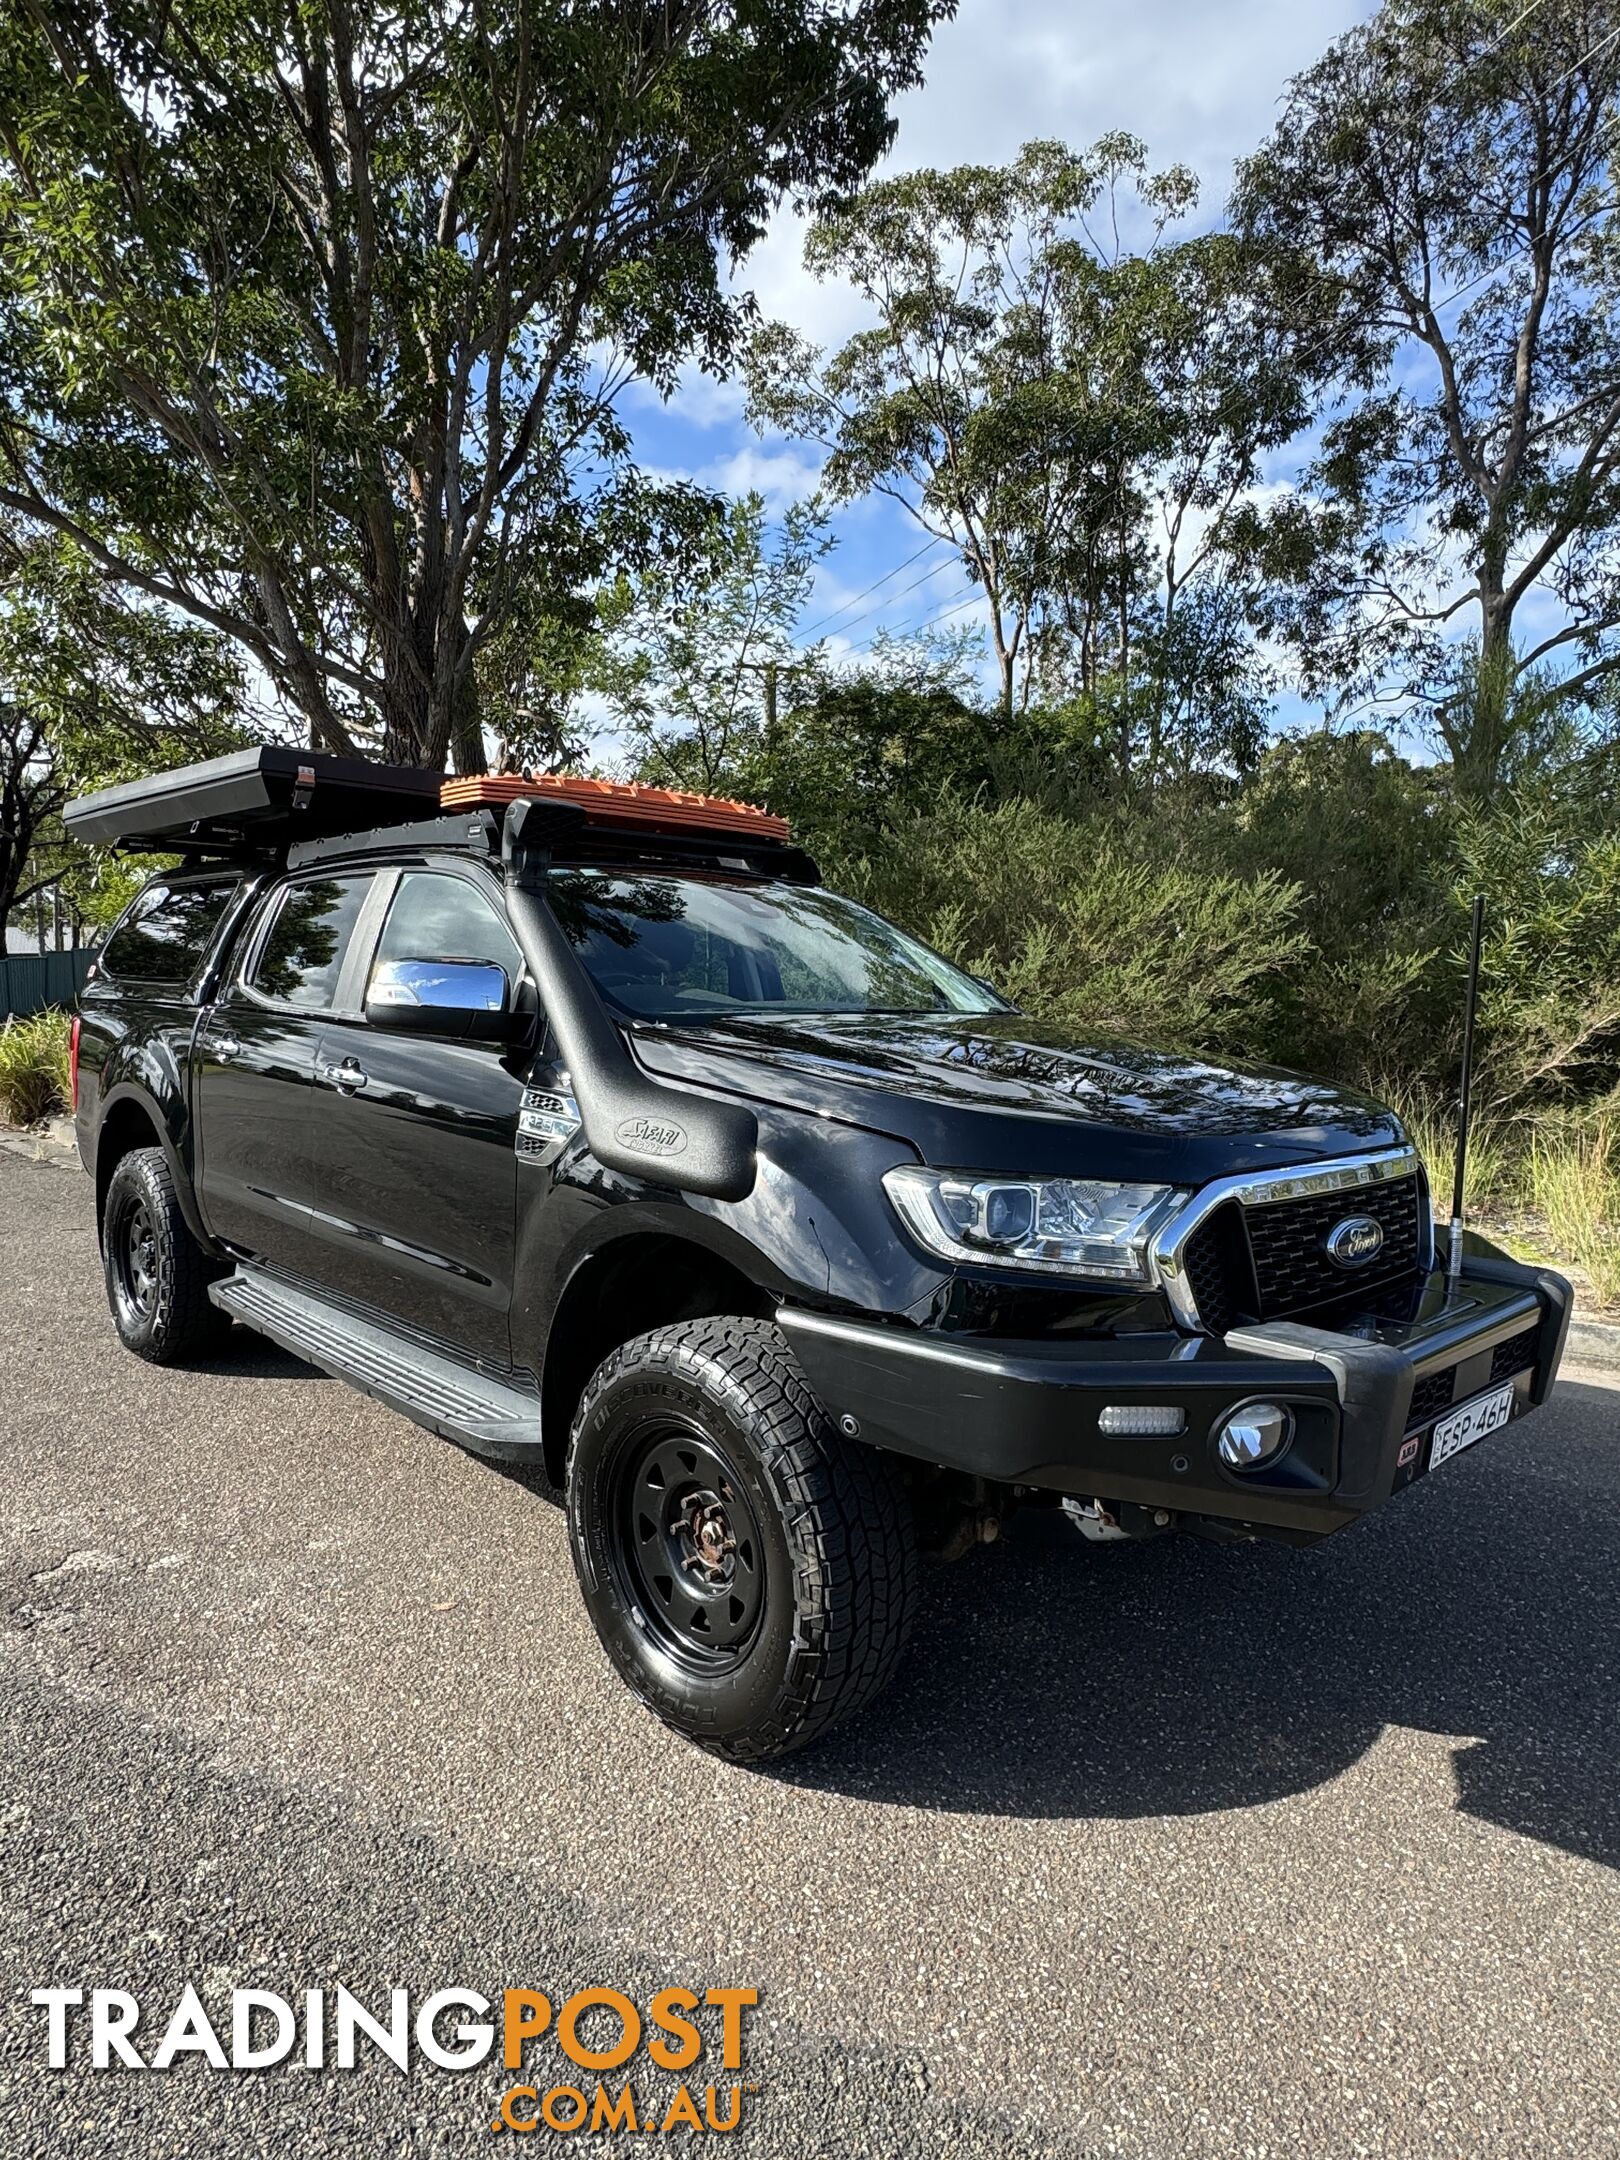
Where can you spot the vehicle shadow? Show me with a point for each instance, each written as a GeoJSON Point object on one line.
{"type": "Point", "coordinates": [1052, 1678]}
{"type": "Point", "coordinates": [244, 1355]}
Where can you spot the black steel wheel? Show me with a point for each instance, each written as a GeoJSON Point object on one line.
{"type": "Point", "coordinates": [689, 1548]}
{"type": "Point", "coordinates": [132, 1259]}
{"type": "Point", "coordinates": [751, 1573]}
{"type": "Point", "coordinates": [157, 1274]}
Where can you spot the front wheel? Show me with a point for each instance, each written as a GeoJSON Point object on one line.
{"type": "Point", "coordinates": [752, 1575]}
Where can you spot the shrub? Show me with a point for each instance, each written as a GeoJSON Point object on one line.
{"type": "Point", "coordinates": [1367, 839]}
{"type": "Point", "coordinates": [34, 1068]}
{"type": "Point", "coordinates": [1076, 925]}
{"type": "Point", "coordinates": [1548, 860]}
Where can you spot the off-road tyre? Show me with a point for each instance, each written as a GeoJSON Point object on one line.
{"type": "Point", "coordinates": [722, 1405]}
{"type": "Point", "coordinates": [157, 1275]}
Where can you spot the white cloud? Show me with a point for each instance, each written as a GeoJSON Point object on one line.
{"type": "Point", "coordinates": [782, 472]}
{"type": "Point", "coordinates": [697, 399]}
{"type": "Point", "coordinates": [1199, 84]}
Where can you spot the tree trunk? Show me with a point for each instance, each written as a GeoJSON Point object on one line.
{"type": "Point", "coordinates": [1480, 719]}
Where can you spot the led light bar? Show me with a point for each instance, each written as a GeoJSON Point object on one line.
{"type": "Point", "coordinates": [1140, 1420]}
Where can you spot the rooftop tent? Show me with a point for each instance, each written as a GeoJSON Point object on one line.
{"type": "Point", "coordinates": [261, 797]}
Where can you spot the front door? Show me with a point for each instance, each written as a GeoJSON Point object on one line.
{"type": "Point", "coordinates": [417, 1136]}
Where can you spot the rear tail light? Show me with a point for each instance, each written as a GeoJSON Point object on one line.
{"type": "Point", "coordinates": [73, 1060]}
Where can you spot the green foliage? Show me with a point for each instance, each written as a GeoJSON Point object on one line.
{"type": "Point", "coordinates": [1493, 1173]}
{"type": "Point", "coordinates": [1547, 858]}
{"type": "Point", "coordinates": [34, 1081]}
{"type": "Point", "coordinates": [693, 657]}
{"type": "Point", "coordinates": [1078, 419]}
{"type": "Point", "coordinates": [1079, 922]}
{"type": "Point", "coordinates": [1366, 838]}
{"type": "Point", "coordinates": [94, 688]}
{"type": "Point", "coordinates": [855, 749]}
{"type": "Point", "coordinates": [1442, 182]}
{"type": "Point", "coordinates": [313, 316]}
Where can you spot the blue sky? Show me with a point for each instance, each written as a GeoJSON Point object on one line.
{"type": "Point", "coordinates": [1198, 83]}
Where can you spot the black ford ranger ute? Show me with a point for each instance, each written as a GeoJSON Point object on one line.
{"type": "Point", "coordinates": [597, 1133]}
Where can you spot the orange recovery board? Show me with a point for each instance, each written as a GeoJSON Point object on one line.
{"type": "Point", "coordinates": [619, 802]}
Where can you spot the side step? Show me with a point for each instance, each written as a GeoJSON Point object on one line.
{"type": "Point", "coordinates": [493, 1417]}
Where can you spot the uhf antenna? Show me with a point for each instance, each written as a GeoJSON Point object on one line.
{"type": "Point", "coordinates": [1454, 1256]}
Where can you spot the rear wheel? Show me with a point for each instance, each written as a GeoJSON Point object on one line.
{"type": "Point", "coordinates": [752, 1575]}
{"type": "Point", "coordinates": [157, 1274]}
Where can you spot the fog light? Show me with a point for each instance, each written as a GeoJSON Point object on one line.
{"type": "Point", "coordinates": [1140, 1419]}
{"type": "Point", "coordinates": [1253, 1435]}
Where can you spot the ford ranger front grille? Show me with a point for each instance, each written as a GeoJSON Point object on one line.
{"type": "Point", "coordinates": [1258, 1250]}
{"type": "Point", "coordinates": [1292, 1268]}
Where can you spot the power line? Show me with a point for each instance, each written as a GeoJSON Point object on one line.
{"type": "Point", "coordinates": [932, 571]}
{"type": "Point", "coordinates": [929, 622]}
{"type": "Point", "coordinates": [933, 541]}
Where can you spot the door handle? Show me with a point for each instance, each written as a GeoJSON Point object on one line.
{"type": "Point", "coordinates": [224, 1047]}
{"type": "Point", "coordinates": [348, 1078]}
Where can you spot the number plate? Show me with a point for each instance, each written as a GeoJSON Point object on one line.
{"type": "Point", "coordinates": [1472, 1422]}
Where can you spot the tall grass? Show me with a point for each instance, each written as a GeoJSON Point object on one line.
{"type": "Point", "coordinates": [1575, 1185]}
{"type": "Point", "coordinates": [1494, 1173]}
{"type": "Point", "coordinates": [34, 1068]}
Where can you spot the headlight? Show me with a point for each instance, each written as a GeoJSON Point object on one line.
{"type": "Point", "coordinates": [1059, 1226]}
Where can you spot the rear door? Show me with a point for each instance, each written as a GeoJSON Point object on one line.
{"type": "Point", "coordinates": [138, 1010]}
{"type": "Point", "coordinates": [416, 1138]}
{"type": "Point", "coordinates": [259, 1111]}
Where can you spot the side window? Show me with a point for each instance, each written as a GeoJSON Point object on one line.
{"type": "Point", "coordinates": [166, 934]}
{"type": "Point", "coordinates": [434, 917]}
{"type": "Point", "coordinates": [302, 956]}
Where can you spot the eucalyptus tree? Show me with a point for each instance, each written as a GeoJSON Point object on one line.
{"type": "Point", "coordinates": [1445, 179]}
{"type": "Point", "coordinates": [693, 657]}
{"type": "Point", "coordinates": [313, 313]}
{"type": "Point", "coordinates": [1069, 396]}
{"type": "Point", "coordinates": [94, 688]}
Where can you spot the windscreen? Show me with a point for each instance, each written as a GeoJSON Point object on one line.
{"type": "Point", "coordinates": [673, 948]}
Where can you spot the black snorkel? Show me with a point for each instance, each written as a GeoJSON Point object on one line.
{"type": "Point", "coordinates": [632, 1124]}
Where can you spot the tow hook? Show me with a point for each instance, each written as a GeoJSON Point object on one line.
{"type": "Point", "coordinates": [960, 1515]}
{"type": "Point", "coordinates": [1094, 1519]}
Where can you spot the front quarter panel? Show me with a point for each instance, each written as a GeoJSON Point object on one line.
{"type": "Point", "coordinates": [815, 1229]}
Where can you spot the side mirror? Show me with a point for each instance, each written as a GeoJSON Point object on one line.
{"type": "Point", "coordinates": [453, 998]}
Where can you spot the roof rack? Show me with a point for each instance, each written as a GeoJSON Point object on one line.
{"type": "Point", "coordinates": [272, 801]}
{"type": "Point", "coordinates": [252, 801]}
{"type": "Point", "coordinates": [620, 803]}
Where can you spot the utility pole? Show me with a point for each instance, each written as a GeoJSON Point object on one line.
{"type": "Point", "coordinates": [769, 672]}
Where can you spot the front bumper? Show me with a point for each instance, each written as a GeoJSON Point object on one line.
{"type": "Point", "coordinates": [1365, 1403]}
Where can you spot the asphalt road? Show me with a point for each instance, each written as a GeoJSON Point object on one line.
{"type": "Point", "coordinates": [1161, 1849]}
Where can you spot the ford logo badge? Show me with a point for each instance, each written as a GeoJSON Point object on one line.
{"type": "Point", "coordinates": [1355, 1241]}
